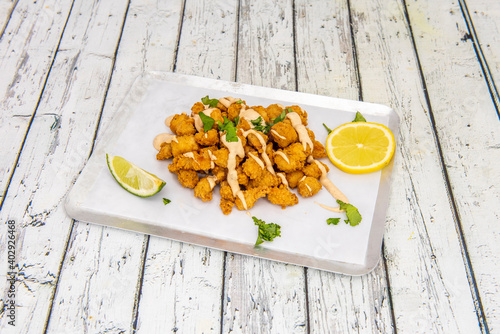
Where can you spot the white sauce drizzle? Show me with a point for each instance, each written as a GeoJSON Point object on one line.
{"type": "Point", "coordinates": [212, 159]}
{"type": "Point", "coordinates": [251, 115]}
{"type": "Point", "coordinates": [275, 133]}
{"type": "Point", "coordinates": [260, 162]}
{"type": "Point", "coordinates": [265, 157]}
{"type": "Point", "coordinates": [235, 149]}
{"type": "Point", "coordinates": [191, 155]}
{"type": "Point", "coordinates": [283, 179]}
{"type": "Point", "coordinates": [301, 129]}
{"type": "Point", "coordinates": [283, 155]}
{"type": "Point", "coordinates": [227, 101]}
{"type": "Point", "coordinates": [168, 120]}
{"type": "Point", "coordinates": [163, 138]}
{"type": "Point", "coordinates": [211, 181]}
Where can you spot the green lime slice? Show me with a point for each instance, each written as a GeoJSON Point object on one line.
{"type": "Point", "coordinates": [132, 178]}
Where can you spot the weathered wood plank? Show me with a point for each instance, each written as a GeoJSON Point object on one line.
{"type": "Point", "coordinates": [27, 49]}
{"type": "Point", "coordinates": [56, 149]}
{"type": "Point", "coordinates": [183, 283]}
{"type": "Point", "coordinates": [326, 66]}
{"type": "Point", "coordinates": [263, 296]}
{"type": "Point", "coordinates": [6, 8]}
{"type": "Point", "coordinates": [101, 276]}
{"type": "Point", "coordinates": [466, 123]}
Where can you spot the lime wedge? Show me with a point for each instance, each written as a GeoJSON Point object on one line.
{"type": "Point", "coordinates": [132, 178]}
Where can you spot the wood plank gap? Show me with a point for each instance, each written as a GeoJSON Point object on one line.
{"type": "Point", "coordinates": [68, 241]}
{"type": "Point", "coordinates": [294, 31]}
{"type": "Point", "coordinates": [238, 9]}
{"type": "Point", "coordinates": [480, 56]}
{"type": "Point", "coordinates": [181, 23]}
{"type": "Point", "coordinates": [138, 290]}
{"type": "Point", "coordinates": [4, 196]}
{"type": "Point", "coordinates": [456, 216]}
{"type": "Point", "coordinates": [7, 21]}
{"type": "Point", "coordinates": [389, 292]}
{"type": "Point", "coordinates": [222, 293]}
{"type": "Point", "coordinates": [109, 81]}
{"type": "Point", "coordinates": [306, 287]}
{"type": "Point", "coordinates": [354, 52]}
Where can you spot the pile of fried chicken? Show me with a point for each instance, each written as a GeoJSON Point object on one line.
{"type": "Point", "coordinates": [250, 152]}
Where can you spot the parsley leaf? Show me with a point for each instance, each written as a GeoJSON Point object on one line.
{"type": "Point", "coordinates": [281, 117]}
{"type": "Point", "coordinates": [332, 221]}
{"type": "Point", "coordinates": [166, 201]}
{"type": "Point", "coordinates": [256, 121]}
{"type": "Point", "coordinates": [230, 129]}
{"type": "Point", "coordinates": [239, 101]}
{"type": "Point", "coordinates": [209, 102]}
{"type": "Point", "coordinates": [327, 128]}
{"type": "Point", "coordinates": [353, 216]}
{"type": "Point", "coordinates": [359, 117]}
{"type": "Point", "coordinates": [208, 121]}
{"type": "Point", "coordinates": [267, 232]}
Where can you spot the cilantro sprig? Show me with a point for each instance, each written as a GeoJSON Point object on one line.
{"type": "Point", "coordinates": [209, 102]}
{"type": "Point", "coordinates": [166, 201]}
{"type": "Point", "coordinates": [352, 213]}
{"type": "Point", "coordinates": [230, 129]}
{"type": "Point", "coordinates": [267, 232]}
{"type": "Point", "coordinates": [208, 122]}
{"type": "Point", "coordinates": [332, 221]}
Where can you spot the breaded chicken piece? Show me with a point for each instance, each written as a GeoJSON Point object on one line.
{"type": "Point", "coordinates": [266, 179]}
{"type": "Point", "coordinates": [183, 144]}
{"type": "Point", "coordinates": [253, 140]}
{"type": "Point", "coordinates": [294, 154]}
{"type": "Point", "coordinates": [182, 125]}
{"type": "Point", "coordinates": [251, 196]}
{"type": "Point", "coordinates": [203, 190]}
{"type": "Point", "coordinates": [234, 111]}
{"type": "Point", "coordinates": [187, 178]}
{"type": "Point", "coordinates": [318, 150]}
{"type": "Point", "coordinates": [191, 160]}
{"type": "Point", "coordinates": [283, 134]}
{"type": "Point", "coordinates": [313, 170]}
{"type": "Point", "coordinates": [273, 111]}
{"type": "Point", "coordinates": [221, 156]}
{"type": "Point", "coordinates": [242, 177]}
{"type": "Point", "coordinates": [251, 167]}
{"type": "Point", "coordinates": [225, 191]}
{"type": "Point", "coordinates": [293, 178]}
{"type": "Point", "coordinates": [226, 206]}
{"type": "Point", "coordinates": [244, 125]}
{"type": "Point", "coordinates": [165, 152]}
{"type": "Point", "coordinates": [282, 196]}
{"type": "Point", "coordinates": [220, 173]}
{"type": "Point", "coordinates": [308, 186]}
{"type": "Point", "coordinates": [196, 108]}
{"type": "Point", "coordinates": [302, 113]}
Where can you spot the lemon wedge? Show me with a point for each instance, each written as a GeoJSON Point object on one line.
{"type": "Point", "coordinates": [132, 178]}
{"type": "Point", "coordinates": [360, 147]}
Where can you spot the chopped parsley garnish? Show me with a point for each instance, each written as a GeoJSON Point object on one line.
{"type": "Point", "coordinates": [327, 128]}
{"type": "Point", "coordinates": [267, 232]}
{"type": "Point", "coordinates": [239, 101]}
{"type": "Point", "coordinates": [256, 121]}
{"type": "Point", "coordinates": [332, 221]}
{"type": "Point", "coordinates": [353, 216]}
{"type": "Point", "coordinates": [209, 102]}
{"type": "Point", "coordinates": [208, 121]}
{"type": "Point", "coordinates": [266, 128]}
{"type": "Point", "coordinates": [359, 117]}
{"type": "Point", "coordinates": [166, 201]}
{"type": "Point", "coordinates": [230, 129]}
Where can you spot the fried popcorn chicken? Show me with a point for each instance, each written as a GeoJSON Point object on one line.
{"type": "Point", "coordinates": [282, 196]}
{"type": "Point", "coordinates": [308, 186]}
{"type": "Point", "coordinates": [248, 155]}
{"type": "Point", "coordinates": [182, 125]}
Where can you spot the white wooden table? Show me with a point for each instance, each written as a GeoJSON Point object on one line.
{"type": "Point", "coordinates": [65, 67]}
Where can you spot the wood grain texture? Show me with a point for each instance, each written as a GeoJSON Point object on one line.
{"type": "Point", "coordinates": [262, 296]}
{"type": "Point", "coordinates": [56, 149]}
{"type": "Point", "coordinates": [6, 8]}
{"type": "Point", "coordinates": [466, 123]}
{"type": "Point", "coordinates": [326, 66]}
{"type": "Point", "coordinates": [27, 49]}
{"type": "Point", "coordinates": [182, 283]}
{"type": "Point", "coordinates": [426, 274]}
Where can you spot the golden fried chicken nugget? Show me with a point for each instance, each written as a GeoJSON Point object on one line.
{"type": "Point", "coordinates": [266, 179]}
{"type": "Point", "coordinates": [191, 160]}
{"type": "Point", "coordinates": [225, 191]}
{"type": "Point", "coordinates": [221, 156]}
{"type": "Point", "coordinates": [282, 196]}
{"type": "Point", "coordinates": [318, 150]}
{"type": "Point", "coordinates": [165, 152]}
{"type": "Point", "coordinates": [243, 125]}
{"type": "Point", "coordinates": [207, 138]}
{"type": "Point", "coordinates": [251, 196]}
{"type": "Point", "coordinates": [183, 144]}
{"type": "Point", "coordinates": [187, 178]}
{"type": "Point", "coordinates": [308, 186]}
{"type": "Point", "coordinates": [226, 206]}
{"type": "Point", "coordinates": [203, 189]}
{"type": "Point", "coordinates": [290, 158]}
{"type": "Point", "coordinates": [251, 167]}
{"type": "Point", "coordinates": [234, 111]}
{"type": "Point", "coordinates": [302, 113]}
{"type": "Point", "coordinates": [182, 125]}
{"type": "Point", "coordinates": [283, 134]}
{"type": "Point", "coordinates": [220, 173]}
{"type": "Point", "coordinates": [197, 107]}
{"type": "Point", "coordinates": [313, 170]}
{"type": "Point", "coordinates": [293, 178]}
{"type": "Point", "coordinates": [242, 177]}
{"type": "Point", "coordinates": [256, 140]}
{"type": "Point", "coordinates": [274, 110]}
{"type": "Point", "coordinates": [262, 112]}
